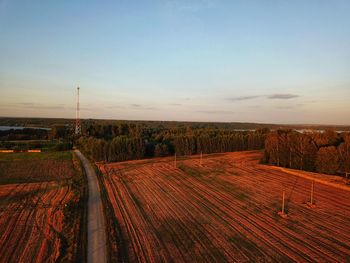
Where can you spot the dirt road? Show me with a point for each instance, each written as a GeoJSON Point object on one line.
{"type": "Point", "coordinates": [97, 248]}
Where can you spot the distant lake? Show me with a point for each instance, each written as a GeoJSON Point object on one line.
{"type": "Point", "coordinates": [6, 128]}
{"type": "Point", "coordinates": [320, 131]}
{"type": "Point", "coordinates": [244, 129]}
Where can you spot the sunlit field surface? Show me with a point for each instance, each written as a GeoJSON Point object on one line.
{"type": "Point", "coordinates": [38, 192]}
{"type": "Point", "coordinates": [223, 210]}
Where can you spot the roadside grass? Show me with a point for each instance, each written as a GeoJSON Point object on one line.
{"type": "Point", "coordinates": [74, 233]}
{"type": "Point", "coordinates": [116, 241]}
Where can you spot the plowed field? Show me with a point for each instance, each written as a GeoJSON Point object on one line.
{"type": "Point", "coordinates": [224, 210]}
{"type": "Point", "coordinates": [34, 213]}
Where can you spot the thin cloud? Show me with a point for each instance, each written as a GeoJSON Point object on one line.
{"type": "Point", "coordinates": [241, 98]}
{"type": "Point", "coordinates": [283, 96]}
{"type": "Point", "coordinates": [280, 96]}
{"type": "Point", "coordinates": [36, 106]}
{"type": "Point", "coordinates": [141, 107]}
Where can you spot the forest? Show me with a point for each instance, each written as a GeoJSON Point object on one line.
{"type": "Point", "coordinates": [24, 134]}
{"type": "Point", "coordinates": [69, 123]}
{"type": "Point", "coordinates": [58, 137]}
{"type": "Point", "coordinates": [324, 152]}
{"type": "Point", "coordinates": [111, 140]}
{"type": "Point", "coordinates": [123, 141]}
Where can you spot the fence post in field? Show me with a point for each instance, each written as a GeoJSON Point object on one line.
{"type": "Point", "coordinates": [175, 161]}
{"type": "Point", "coordinates": [201, 159]}
{"type": "Point", "coordinates": [282, 213]}
{"type": "Point", "coordinates": [312, 203]}
{"type": "Point", "coordinates": [283, 202]}
{"type": "Point", "coordinates": [312, 192]}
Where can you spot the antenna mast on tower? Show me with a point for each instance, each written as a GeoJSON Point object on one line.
{"type": "Point", "coordinates": [77, 115]}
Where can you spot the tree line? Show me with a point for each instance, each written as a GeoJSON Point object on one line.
{"type": "Point", "coordinates": [23, 134]}
{"type": "Point", "coordinates": [123, 141]}
{"type": "Point", "coordinates": [324, 152]}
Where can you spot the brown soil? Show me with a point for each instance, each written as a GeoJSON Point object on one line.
{"type": "Point", "coordinates": [225, 210]}
{"type": "Point", "coordinates": [33, 221]}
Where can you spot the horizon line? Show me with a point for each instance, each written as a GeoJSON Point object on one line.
{"type": "Point", "coordinates": [149, 120]}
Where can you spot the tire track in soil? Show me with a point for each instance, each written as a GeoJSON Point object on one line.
{"type": "Point", "coordinates": [189, 199]}
{"type": "Point", "coordinates": [330, 226]}
{"type": "Point", "coordinates": [12, 224]}
{"type": "Point", "coordinates": [319, 244]}
{"type": "Point", "coordinates": [187, 208]}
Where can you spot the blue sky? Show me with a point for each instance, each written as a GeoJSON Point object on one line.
{"type": "Point", "coordinates": [203, 60]}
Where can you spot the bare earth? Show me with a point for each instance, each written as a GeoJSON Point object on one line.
{"type": "Point", "coordinates": [224, 211]}
{"type": "Point", "coordinates": [33, 196]}
{"type": "Point", "coordinates": [97, 249]}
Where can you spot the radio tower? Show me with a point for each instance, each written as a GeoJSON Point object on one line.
{"type": "Point", "coordinates": [77, 116]}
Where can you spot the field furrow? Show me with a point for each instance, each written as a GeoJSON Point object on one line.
{"type": "Point", "coordinates": [224, 210]}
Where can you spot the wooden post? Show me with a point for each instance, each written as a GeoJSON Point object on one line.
{"type": "Point", "coordinates": [347, 175]}
{"type": "Point", "coordinates": [175, 161]}
{"type": "Point", "coordinates": [283, 202]}
{"type": "Point", "coordinates": [312, 193]}
{"type": "Point", "coordinates": [201, 159]}
{"type": "Point", "coordinates": [282, 213]}
{"type": "Point", "coordinates": [311, 203]}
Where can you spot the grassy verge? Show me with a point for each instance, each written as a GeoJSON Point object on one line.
{"type": "Point", "coordinates": [74, 234]}
{"type": "Point", "coordinates": [117, 251]}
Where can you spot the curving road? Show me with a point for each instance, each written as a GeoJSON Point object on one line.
{"type": "Point", "coordinates": [97, 248]}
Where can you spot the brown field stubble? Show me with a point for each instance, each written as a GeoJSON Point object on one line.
{"type": "Point", "coordinates": [224, 210]}
{"type": "Point", "coordinates": [32, 213]}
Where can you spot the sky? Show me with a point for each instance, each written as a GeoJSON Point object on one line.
{"type": "Point", "coordinates": [267, 61]}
